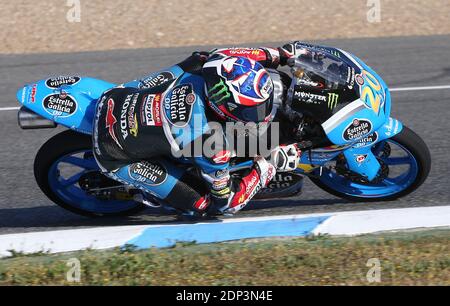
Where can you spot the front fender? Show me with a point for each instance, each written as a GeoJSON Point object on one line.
{"type": "Point", "coordinates": [362, 161]}
{"type": "Point", "coordinates": [391, 128]}
{"type": "Point", "coordinates": [360, 158]}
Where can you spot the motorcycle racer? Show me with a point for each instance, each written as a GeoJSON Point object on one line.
{"type": "Point", "coordinates": [139, 125]}
{"type": "Point", "coordinates": [330, 103]}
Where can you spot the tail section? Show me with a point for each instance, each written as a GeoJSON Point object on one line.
{"type": "Point", "coordinates": [66, 100]}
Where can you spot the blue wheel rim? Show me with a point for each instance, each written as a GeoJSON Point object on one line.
{"type": "Point", "coordinates": [388, 187]}
{"type": "Point", "coordinates": [68, 190]}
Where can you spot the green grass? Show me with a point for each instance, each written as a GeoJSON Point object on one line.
{"type": "Point", "coordinates": [413, 258]}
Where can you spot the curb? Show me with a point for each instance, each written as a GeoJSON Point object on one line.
{"type": "Point", "coordinates": [146, 236]}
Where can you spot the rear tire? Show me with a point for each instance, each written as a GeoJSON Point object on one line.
{"type": "Point", "coordinates": [56, 147]}
{"type": "Point", "coordinates": [413, 143]}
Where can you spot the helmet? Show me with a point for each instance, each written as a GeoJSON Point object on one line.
{"type": "Point", "coordinates": [239, 89]}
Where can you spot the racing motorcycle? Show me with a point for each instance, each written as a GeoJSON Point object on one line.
{"type": "Point", "coordinates": [353, 149]}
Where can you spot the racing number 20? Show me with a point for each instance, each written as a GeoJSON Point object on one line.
{"type": "Point", "coordinates": [370, 92]}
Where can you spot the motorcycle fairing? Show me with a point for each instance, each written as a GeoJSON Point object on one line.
{"type": "Point", "coordinates": [66, 100]}
{"type": "Point", "coordinates": [360, 124]}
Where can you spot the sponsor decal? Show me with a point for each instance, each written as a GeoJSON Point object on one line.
{"type": "Point", "coordinates": [220, 184]}
{"type": "Point", "coordinates": [266, 88]}
{"type": "Point", "coordinates": [310, 83]}
{"type": "Point", "coordinates": [310, 98]}
{"type": "Point", "coordinates": [111, 121]}
{"type": "Point", "coordinates": [221, 173]}
{"type": "Point", "coordinates": [178, 104]}
{"type": "Point", "coordinates": [332, 100]}
{"type": "Point", "coordinates": [335, 53]}
{"type": "Point", "coordinates": [156, 80]}
{"type": "Point", "coordinates": [351, 77]}
{"type": "Point", "coordinates": [63, 94]}
{"type": "Point", "coordinates": [360, 158]}
{"type": "Point", "coordinates": [251, 185]}
{"type": "Point", "coordinates": [357, 129]}
{"type": "Point", "coordinates": [124, 114]}
{"type": "Point", "coordinates": [216, 109]}
{"type": "Point", "coordinates": [61, 80]}
{"type": "Point", "coordinates": [24, 92]}
{"type": "Point", "coordinates": [221, 192]}
{"type": "Point", "coordinates": [60, 107]}
{"type": "Point", "coordinates": [222, 157]}
{"type": "Point", "coordinates": [202, 203]}
{"type": "Point", "coordinates": [231, 106]}
{"type": "Point", "coordinates": [281, 181]}
{"type": "Point", "coordinates": [134, 128]}
{"type": "Point", "coordinates": [151, 110]}
{"type": "Point", "coordinates": [367, 140]}
{"type": "Point", "coordinates": [218, 92]}
{"type": "Point", "coordinates": [300, 46]}
{"type": "Point", "coordinates": [319, 157]}
{"type": "Point", "coordinates": [253, 53]}
{"type": "Point", "coordinates": [190, 98]}
{"type": "Point", "coordinates": [372, 93]}
{"type": "Point", "coordinates": [359, 80]}
{"type": "Point", "coordinates": [132, 117]}
{"type": "Point", "coordinates": [33, 93]}
{"type": "Point", "coordinates": [252, 188]}
{"type": "Point", "coordinates": [393, 127]}
{"type": "Point", "coordinates": [148, 173]}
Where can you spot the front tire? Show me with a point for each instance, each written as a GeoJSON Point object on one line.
{"type": "Point", "coordinates": [414, 146]}
{"type": "Point", "coordinates": [46, 172]}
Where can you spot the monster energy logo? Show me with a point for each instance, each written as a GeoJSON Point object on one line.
{"type": "Point", "coordinates": [335, 53]}
{"type": "Point", "coordinates": [219, 92]}
{"type": "Point", "coordinates": [332, 100]}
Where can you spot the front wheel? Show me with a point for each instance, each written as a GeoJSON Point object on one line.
{"type": "Point", "coordinates": [65, 169]}
{"type": "Point", "coordinates": [405, 161]}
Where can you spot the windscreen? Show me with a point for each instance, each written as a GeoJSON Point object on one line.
{"type": "Point", "coordinates": [321, 64]}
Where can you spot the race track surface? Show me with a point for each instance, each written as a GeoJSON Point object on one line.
{"type": "Point", "coordinates": [402, 62]}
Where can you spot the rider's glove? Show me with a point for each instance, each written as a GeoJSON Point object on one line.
{"type": "Point", "coordinates": [259, 177]}
{"type": "Point", "coordinates": [286, 52]}
{"type": "Point", "coordinates": [285, 157]}
{"type": "Point", "coordinates": [203, 55]}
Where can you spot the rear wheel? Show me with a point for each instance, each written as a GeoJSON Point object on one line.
{"type": "Point", "coordinates": [405, 164]}
{"type": "Point", "coordinates": [62, 167]}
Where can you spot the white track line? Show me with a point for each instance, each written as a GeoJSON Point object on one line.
{"type": "Point", "coordinates": [392, 90]}
{"type": "Point", "coordinates": [9, 108]}
{"type": "Point", "coordinates": [420, 88]}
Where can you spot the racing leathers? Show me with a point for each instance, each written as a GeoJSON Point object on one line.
{"type": "Point", "coordinates": [145, 129]}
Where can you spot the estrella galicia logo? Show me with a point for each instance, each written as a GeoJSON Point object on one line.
{"type": "Point", "coordinates": [148, 173]}
{"type": "Point", "coordinates": [367, 140]}
{"type": "Point", "coordinates": [60, 106]}
{"type": "Point", "coordinates": [178, 104]}
{"type": "Point", "coordinates": [357, 129]}
{"type": "Point", "coordinates": [57, 82]}
{"type": "Point", "coordinates": [282, 182]}
{"type": "Point", "coordinates": [156, 80]}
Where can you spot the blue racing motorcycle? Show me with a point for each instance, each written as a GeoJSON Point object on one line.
{"type": "Point", "coordinates": [351, 146]}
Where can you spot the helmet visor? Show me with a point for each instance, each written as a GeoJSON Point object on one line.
{"type": "Point", "coordinates": [256, 114]}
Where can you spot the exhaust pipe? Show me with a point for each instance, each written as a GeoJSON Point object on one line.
{"type": "Point", "coordinates": [28, 120]}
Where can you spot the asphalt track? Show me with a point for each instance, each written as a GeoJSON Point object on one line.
{"type": "Point", "coordinates": [403, 62]}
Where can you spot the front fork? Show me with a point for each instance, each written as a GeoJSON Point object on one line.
{"type": "Point", "coordinates": [360, 157]}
